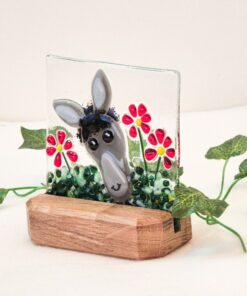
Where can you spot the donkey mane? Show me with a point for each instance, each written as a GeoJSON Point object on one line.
{"type": "Point", "coordinates": [94, 121]}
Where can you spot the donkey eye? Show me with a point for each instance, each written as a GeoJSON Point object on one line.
{"type": "Point", "coordinates": [108, 136]}
{"type": "Point", "coordinates": [93, 144]}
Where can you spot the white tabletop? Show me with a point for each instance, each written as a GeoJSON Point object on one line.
{"type": "Point", "coordinates": [212, 263]}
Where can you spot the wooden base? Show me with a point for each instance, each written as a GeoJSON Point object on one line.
{"type": "Point", "coordinates": [103, 228]}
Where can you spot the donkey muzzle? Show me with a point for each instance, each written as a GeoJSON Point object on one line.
{"type": "Point", "coordinates": [114, 177]}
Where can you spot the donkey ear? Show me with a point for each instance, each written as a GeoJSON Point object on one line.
{"type": "Point", "coordinates": [69, 111]}
{"type": "Point", "coordinates": [101, 92]}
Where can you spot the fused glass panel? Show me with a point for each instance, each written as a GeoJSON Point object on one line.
{"type": "Point", "coordinates": [113, 132]}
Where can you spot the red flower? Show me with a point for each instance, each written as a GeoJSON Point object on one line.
{"type": "Point", "coordinates": [161, 143]}
{"type": "Point", "coordinates": [59, 145]}
{"type": "Point", "coordinates": [138, 118]}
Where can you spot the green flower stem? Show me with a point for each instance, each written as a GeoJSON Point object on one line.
{"type": "Point", "coordinates": [232, 231]}
{"type": "Point", "coordinates": [66, 161]}
{"type": "Point", "coordinates": [157, 168]}
{"type": "Point", "coordinates": [230, 188]}
{"type": "Point", "coordinates": [142, 148]}
{"type": "Point", "coordinates": [223, 179]}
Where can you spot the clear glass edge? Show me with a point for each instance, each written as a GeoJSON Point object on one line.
{"type": "Point", "coordinates": [48, 56]}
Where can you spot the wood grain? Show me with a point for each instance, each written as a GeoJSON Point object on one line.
{"type": "Point", "coordinates": [103, 228]}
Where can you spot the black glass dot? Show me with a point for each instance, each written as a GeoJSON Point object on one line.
{"type": "Point", "coordinates": [93, 144]}
{"type": "Point", "coordinates": [108, 136]}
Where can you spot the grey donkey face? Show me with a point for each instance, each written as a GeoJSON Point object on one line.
{"type": "Point", "coordinates": [102, 135]}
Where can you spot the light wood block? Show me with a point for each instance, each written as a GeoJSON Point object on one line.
{"type": "Point", "coordinates": [103, 228]}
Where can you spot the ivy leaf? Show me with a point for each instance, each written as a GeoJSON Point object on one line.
{"type": "Point", "coordinates": [33, 139]}
{"type": "Point", "coordinates": [3, 194]}
{"type": "Point", "coordinates": [233, 147]}
{"type": "Point", "coordinates": [36, 138]}
{"type": "Point", "coordinates": [190, 200]}
{"type": "Point", "coordinates": [242, 170]}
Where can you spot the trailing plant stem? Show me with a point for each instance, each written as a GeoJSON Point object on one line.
{"type": "Point", "coordinates": [30, 188]}
{"type": "Point", "coordinates": [223, 179]}
{"type": "Point", "coordinates": [230, 188]}
{"type": "Point", "coordinates": [157, 168]}
{"type": "Point", "coordinates": [142, 148]}
{"type": "Point", "coordinates": [66, 161]}
{"type": "Point", "coordinates": [211, 220]}
{"type": "Point", "coordinates": [231, 230]}
{"type": "Point", "coordinates": [200, 216]}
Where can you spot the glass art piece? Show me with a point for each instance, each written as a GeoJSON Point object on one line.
{"type": "Point", "coordinates": [113, 132]}
{"type": "Point", "coordinates": [112, 147]}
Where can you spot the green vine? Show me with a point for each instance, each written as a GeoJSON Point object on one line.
{"type": "Point", "coordinates": [190, 200]}
{"type": "Point", "coordinates": [223, 179]}
{"type": "Point", "coordinates": [29, 190]}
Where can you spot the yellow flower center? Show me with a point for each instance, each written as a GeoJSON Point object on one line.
{"type": "Point", "coordinates": [138, 121]}
{"type": "Point", "coordinates": [161, 150]}
{"type": "Point", "coordinates": [59, 148]}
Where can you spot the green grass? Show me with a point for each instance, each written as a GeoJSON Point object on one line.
{"type": "Point", "coordinates": [86, 183]}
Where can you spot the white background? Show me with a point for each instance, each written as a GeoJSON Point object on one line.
{"type": "Point", "coordinates": [205, 40]}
